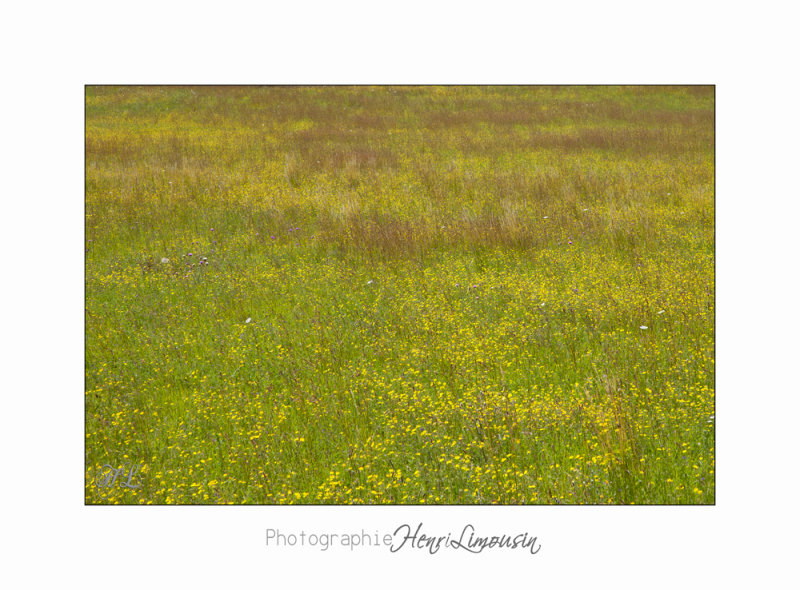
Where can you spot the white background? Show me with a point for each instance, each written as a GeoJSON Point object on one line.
{"type": "Point", "coordinates": [50, 51]}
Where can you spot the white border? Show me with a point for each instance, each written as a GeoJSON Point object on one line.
{"type": "Point", "coordinates": [53, 538]}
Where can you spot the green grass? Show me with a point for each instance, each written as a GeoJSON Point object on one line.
{"type": "Point", "coordinates": [446, 289]}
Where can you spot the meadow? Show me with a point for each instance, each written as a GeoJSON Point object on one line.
{"type": "Point", "coordinates": [404, 295]}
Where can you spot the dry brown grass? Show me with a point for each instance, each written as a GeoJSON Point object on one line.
{"type": "Point", "coordinates": [488, 163]}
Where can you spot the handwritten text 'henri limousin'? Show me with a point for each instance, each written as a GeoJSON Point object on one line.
{"type": "Point", "coordinates": [467, 540]}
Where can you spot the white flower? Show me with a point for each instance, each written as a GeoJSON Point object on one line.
{"type": "Point", "coordinates": [586, 209]}
{"type": "Point", "coordinates": [660, 312]}
{"type": "Point", "coordinates": [643, 327]}
{"type": "Point", "coordinates": [247, 321]}
{"type": "Point", "coordinates": [369, 282]}
{"type": "Point", "coordinates": [545, 217]}
{"type": "Point", "coordinates": [542, 304]}
{"type": "Point", "coordinates": [164, 260]}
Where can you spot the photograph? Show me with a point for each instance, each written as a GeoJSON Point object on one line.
{"type": "Point", "coordinates": [446, 295]}
{"type": "Point", "coordinates": [358, 295]}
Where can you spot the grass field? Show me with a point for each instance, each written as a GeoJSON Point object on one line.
{"type": "Point", "coordinates": [406, 295]}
